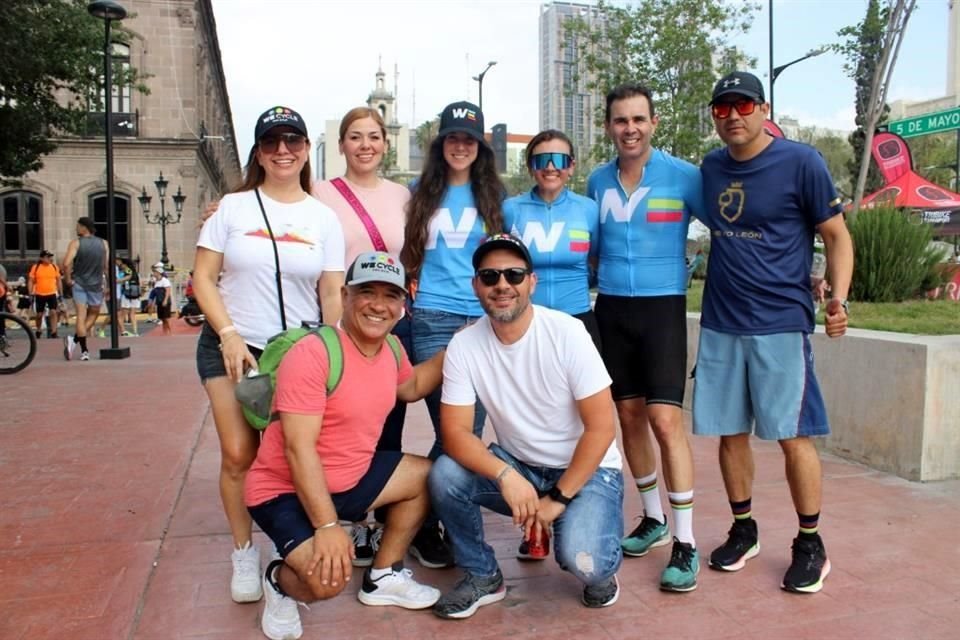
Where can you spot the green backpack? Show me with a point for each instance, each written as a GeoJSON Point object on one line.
{"type": "Point", "coordinates": [255, 393]}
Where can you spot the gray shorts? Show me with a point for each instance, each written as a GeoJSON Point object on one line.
{"type": "Point", "coordinates": [88, 297]}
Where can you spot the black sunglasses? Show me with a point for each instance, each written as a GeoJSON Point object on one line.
{"type": "Point", "coordinates": [294, 142]}
{"type": "Point", "coordinates": [491, 277]}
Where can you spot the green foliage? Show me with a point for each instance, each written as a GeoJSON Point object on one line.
{"type": "Point", "coordinates": [51, 60]}
{"type": "Point", "coordinates": [894, 258]}
{"type": "Point", "coordinates": [862, 46]}
{"type": "Point", "coordinates": [517, 183]}
{"type": "Point", "coordinates": [837, 153]}
{"type": "Point", "coordinates": [935, 157]}
{"type": "Point", "coordinates": [668, 45]}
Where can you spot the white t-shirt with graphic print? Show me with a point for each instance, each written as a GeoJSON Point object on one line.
{"type": "Point", "coordinates": [309, 240]}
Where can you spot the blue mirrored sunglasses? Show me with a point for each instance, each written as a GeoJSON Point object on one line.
{"type": "Point", "coordinates": [560, 161]}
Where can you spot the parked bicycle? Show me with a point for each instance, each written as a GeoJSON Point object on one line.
{"type": "Point", "coordinates": [18, 345]}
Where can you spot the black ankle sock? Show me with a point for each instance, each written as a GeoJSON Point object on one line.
{"type": "Point", "coordinates": [82, 341]}
{"type": "Point", "coordinates": [269, 573]}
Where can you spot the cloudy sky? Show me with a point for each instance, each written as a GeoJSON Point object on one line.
{"type": "Point", "coordinates": [320, 57]}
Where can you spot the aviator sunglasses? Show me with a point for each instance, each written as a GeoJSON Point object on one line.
{"type": "Point", "coordinates": [514, 275]}
{"type": "Point", "coordinates": [722, 110]}
{"type": "Point", "coordinates": [560, 161]}
{"type": "Point", "coordinates": [294, 142]}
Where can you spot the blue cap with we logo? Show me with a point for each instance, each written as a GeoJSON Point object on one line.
{"type": "Point", "coordinates": [462, 117]}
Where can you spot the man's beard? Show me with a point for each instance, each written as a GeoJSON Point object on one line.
{"type": "Point", "coordinates": [505, 316]}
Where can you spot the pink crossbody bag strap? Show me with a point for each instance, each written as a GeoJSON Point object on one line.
{"type": "Point", "coordinates": [361, 212]}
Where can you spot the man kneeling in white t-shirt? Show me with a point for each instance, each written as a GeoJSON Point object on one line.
{"type": "Point", "coordinates": [547, 393]}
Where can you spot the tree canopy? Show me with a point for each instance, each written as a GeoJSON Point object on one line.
{"type": "Point", "coordinates": [51, 65]}
{"type": "Point", "coordinates": [677, 48]}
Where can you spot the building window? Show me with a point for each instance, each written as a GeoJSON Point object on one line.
{"type": "Point", "coordinates": [121, 216]}
{"type": "Point", "coordinates": [123, 118]}
{"type": "Point", "coordinates": [22, 232]}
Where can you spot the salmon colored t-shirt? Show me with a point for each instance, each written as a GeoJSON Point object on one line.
{"type": "Point", "coordinates": [385, 203]}
{"type": "Point", "coordinates": [353, 415]}
{"type": "Point", "coordinates": [45, 277]}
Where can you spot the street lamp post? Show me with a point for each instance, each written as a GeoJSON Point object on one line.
{"type": "Point", "coordinates": [162, 218]}
{"type": "Point", "coordinates": [778, 70]}
{"type": "Point", "coordinates": [108, 11]}
{"type": "Point", "coordinates": [479, 79]}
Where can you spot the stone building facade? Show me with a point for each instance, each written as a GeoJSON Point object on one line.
{"type": "Point", "coordinates": [182, 128]}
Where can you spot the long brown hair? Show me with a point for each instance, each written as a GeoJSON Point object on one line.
{"type": "Point", "coordinates": [254, 175]}
{"type": "Point", "coordinates": [488, 192]}
{"type": "Point", "coordinates": [359, 113]}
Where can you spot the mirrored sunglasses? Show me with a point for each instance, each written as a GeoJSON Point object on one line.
{"type": "Point", "coordinates": [722, 110]}
{"type": "Point", "coordinates": [560, 161]}
{"type": "Point", "coordinates": [293, 141]}
{"type": "Point", "coordinates": [491, 277]}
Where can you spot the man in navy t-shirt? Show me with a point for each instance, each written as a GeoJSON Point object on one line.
{"type": "Point", "coordinates": [765, 198]}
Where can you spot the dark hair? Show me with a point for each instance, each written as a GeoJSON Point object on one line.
{"type": "Point", "coordinates": [88, 223]}
{"type": "Point", "coordinates": [545, 136]}
{"type": "Point", "coordinates": [254, 175]}
{"type": "Point", "coordinates": [488, 192]}
{"type": "Point", "coordinates": [625, 91]}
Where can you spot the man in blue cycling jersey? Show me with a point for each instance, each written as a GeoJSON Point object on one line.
{"type": "Point", "coordinates": [646, 199]}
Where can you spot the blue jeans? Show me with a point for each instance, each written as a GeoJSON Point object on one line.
{"type": "Point", "coordinates": [586, 536]}
{"type": "Point", "coordinates": [432, 331]}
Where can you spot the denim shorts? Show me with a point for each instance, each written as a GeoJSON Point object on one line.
{"type": "Point", "coordinates": [209, 359]}
{"type": "Point", "coordinates": [763, 383]}
{"type": "Point", "coordinates": [287, 524]}
{"type": "Point", "coordinates": [87, 297]}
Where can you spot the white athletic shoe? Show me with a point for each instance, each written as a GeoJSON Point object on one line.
{"type": "Point", "coordinates": [397, 588]}
{"type": "Point", "coordinates": [281, 618]}
{"type": "Point", "coordinates": [245, 583]}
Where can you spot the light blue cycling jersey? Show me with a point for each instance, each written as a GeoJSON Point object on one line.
{"type": "Point", "coordinates": [454, 233]}
{"type": "Point", "coordinates": [559, 236]}
{"type": "Point", "coordinates": [643, 237]}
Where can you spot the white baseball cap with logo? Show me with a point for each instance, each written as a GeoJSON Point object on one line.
{"type": "Point", "coordinates": [377, 266]}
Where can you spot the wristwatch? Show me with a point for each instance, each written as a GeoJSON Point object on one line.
{"type": "Point", "coordinates": [846, 306]}
{"type": "Point", "coordinates": [557, 496]}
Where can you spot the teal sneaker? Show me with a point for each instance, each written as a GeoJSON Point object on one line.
{"type": "Point", "coordinates": [649, 533]}
{"type": "Point", "coordinates": [681, 572]}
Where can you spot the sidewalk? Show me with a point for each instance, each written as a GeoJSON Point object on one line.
{"type": "Point", "coordinates": [111, 528]}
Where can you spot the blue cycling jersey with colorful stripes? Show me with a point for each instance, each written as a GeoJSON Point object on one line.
{"type": "Point", "coordinates": [559, 236]}
{"type": "Point", "coordinates": [643, 237]}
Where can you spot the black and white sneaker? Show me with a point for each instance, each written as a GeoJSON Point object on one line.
{"type": "Point", "coordinates": [430, 547]}
{"type": "Point", "coordinates": [471, 593]}
{"type": "Point", "coordinates": [363, 551]}
{"type": "Point", "coordinates": [809, 568]}
{"type": "Point", "coordinates": [600, 595]}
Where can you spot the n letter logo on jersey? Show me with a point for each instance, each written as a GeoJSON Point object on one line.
{"type": "Point", "coordinates": [535, 236]}
{"type": "Point", "coordinates": [611, 205]}
{"type": "Point", "coordinates": [731, 200]}
{"type": "Point", "coordinates": [455, 237]}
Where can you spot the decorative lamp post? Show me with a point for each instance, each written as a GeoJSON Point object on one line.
{"type": "Point", "coordinates": [108, 11]}
{"type": "Point", "coordinates": [162, 218]}
{"type": "Point", "coordinates": [778, 70]}
{"type": "Point", "coordinates": [479, 80]}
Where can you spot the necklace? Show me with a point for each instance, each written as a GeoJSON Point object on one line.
{"type": "Point", "coordinates": [362, 352]}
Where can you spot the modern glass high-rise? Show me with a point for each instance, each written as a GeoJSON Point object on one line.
{"type": "Point", "coordinates": [565, 101]}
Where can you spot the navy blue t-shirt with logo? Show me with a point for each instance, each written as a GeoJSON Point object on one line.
{"type": "Point", "coordinates": [763, 215]}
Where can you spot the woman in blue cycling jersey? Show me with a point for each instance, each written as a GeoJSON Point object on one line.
{"type": "Point", "coordinates": [559, 228]}
{"type": "Point", "coordinates": [455, 204]}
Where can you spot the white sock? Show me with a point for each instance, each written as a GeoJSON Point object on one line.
{"type": "Point", "coordinates": [376, 574]}
{"type": "Point", "coordinates": [681, 504]}
{"type": "Point", "coordinates": [650, 495]}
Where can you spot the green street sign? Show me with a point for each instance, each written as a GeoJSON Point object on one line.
{"type": "Point", "coordinates": [928, 123]}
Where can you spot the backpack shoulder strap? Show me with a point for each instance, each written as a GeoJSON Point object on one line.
{"type": "Point", "coordinates": [395, 347]}
{"type": "Point", "coordinates": [331, 340]}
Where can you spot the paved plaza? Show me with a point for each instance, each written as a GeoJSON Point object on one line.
{"type": "Point", "coordinates": [111, 528]}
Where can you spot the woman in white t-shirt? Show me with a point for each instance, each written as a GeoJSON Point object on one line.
{"type": "Point", "coordinates": [270, 218]}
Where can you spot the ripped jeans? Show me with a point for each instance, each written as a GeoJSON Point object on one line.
{"type": "Point", "coordinates": [586, 536]}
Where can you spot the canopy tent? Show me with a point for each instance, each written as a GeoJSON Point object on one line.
{"type": "Point", "coordinates": [937, 206]}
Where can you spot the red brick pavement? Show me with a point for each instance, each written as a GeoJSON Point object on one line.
{"type": "Point", "coordinates": [111, 527]}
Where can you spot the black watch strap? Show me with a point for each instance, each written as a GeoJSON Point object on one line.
{"type": "Point", "coordinates": [557, 496]}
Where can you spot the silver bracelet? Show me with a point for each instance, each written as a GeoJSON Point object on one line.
{"type": "Point", "coordinates": [500, 475]}
{"type": "Point", "coordinates": [329, 525]}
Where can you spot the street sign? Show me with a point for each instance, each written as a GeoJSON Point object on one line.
{"type": "Point", "coordinates": [928, 123]}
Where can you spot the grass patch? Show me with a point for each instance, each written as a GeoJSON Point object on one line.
{"type": "Point", "coordinates": [918, 317]}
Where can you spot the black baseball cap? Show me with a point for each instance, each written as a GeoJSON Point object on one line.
{"type": "Point", "coordinates": [740, 83]}
{"type": "Point", "coordinates": [501, 241]}
{"type": "Point", "coordinates": [279, 117]}
{"type": "Point", "coordinates": [462, 117]}
{"type": "Point", "coordinates": [46, 254]}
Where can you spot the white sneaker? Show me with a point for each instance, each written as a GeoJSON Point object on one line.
{"type": "Point", "coordinates": [397, 588]}
{"type": "Point", "coordinates": [69, 344]}
{"type": "Point", "coordinates": [281, 618]}
{"type": "Point", "coordinates": [85, 356]}
{"type": "Point", "coordinates": [245, 583]}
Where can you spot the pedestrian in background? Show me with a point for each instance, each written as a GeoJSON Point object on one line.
{"type": "Point", "coordinates": [85, 269]}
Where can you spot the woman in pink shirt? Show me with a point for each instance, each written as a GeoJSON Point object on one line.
{"type": "Point", "coordinates": [371, 212]}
